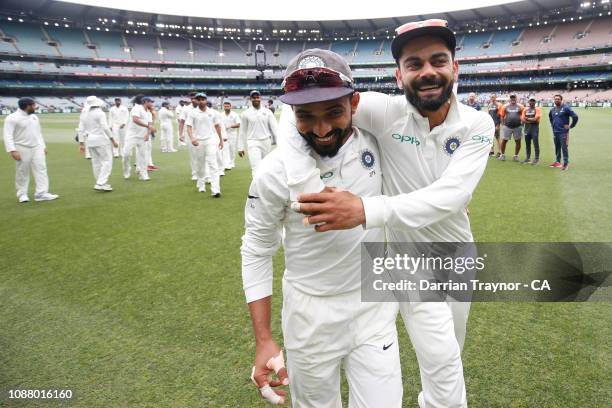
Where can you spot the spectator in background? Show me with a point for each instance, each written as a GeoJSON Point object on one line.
{"type": "Point", "coordinates": [559, 117]}
{"type": "Point", "coordinates": [510, 115]}
{"type": "Point", "coordinates": [531, 119]}
{"type": "Point", "coordinates": [472, 102]}
{"type": "Point", "coordinates": [494, 107]}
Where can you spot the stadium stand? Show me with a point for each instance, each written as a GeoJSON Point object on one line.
{"type": "Point", "coordinates": [109, 45]}
{"type": "Point", "coordinates": [29, 38]}
{"type": "Point", "coordinates": [70, 42]}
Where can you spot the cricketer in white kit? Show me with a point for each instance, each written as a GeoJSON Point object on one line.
{"type": "Point", "coordinates": [231, 121]}
{"type": "Point", "coordinates": [434, 152]}
{"type": "Point", "coordinates": [166, 116]}
{"type": "Point", "coordinates": [257, 129]}
{"type": "Point", "coordinates": [24, 142]}
{"type": "Point", "coordinates": [204, 131]}
{"type": "Point", "coordinates": [137, 134]}
{"type": "Point", "coordinates": [183, 132]}
{"type": "Point", "coordinates": [118, 116]}
{"type": "Point", "coordinates": [325, 325]}
{"type": "Point", "coordinates": [94, 130]}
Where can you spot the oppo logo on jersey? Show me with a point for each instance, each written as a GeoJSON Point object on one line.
{"type": "Point", "coordinates": [483, 139]}
{"type": "Point", "coordinates": [408, 139]}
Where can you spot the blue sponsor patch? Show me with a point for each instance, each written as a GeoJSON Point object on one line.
{"type": "Point", "coordinates": [367, 159]}
{"type": "Point", "coordinates": [450, 145]}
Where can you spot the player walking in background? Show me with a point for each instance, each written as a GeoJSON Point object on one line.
{"type": "Point", "coordinates": [559, 117]}
{"type": "Point", "coordinates": [24, 142]}
{"type": "Point", "coordinates": [152, 116]}
{"type": "Point", "coordinates": [271, 105]}
{"type": "Point", "coordinates": [510, 116]}
{"type": "Point", "coordinates": [493, 108]}
{"type": "Point", "coordinates": [258, 128]}
{"type": "Point", "coordinates": [472, 102]}
{"type": "Point", "coordinates": [95, 132]}
{"type": "Point", "coordinates": [84, 110]}
{"type": "Point", "coordinates": [231, 122]}
{"type": "Point", "coordinates": [220, 151]}
{"type": "Point", "coordinates": [203, 128]}
{"type": "Point", "coordinates": [531, 119]}
{"type": "Point", "coordinates": [137, 133]}
{"type": "Point", "coordinates": [182, 132]}
{"type": "Point", "coordinates": [166, 117]}
{"type": "Point", "coordinates": [118, 116]}
{"type": "Point", "coordinates": [326, 326]}
{"type": "Point", "coordinates": [177, 114]}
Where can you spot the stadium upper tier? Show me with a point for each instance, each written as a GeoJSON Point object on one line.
{"type": "Point", "coordinates": [48, 41]}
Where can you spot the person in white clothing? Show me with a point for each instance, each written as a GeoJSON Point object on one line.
{"type": "Point", "coordinates": [95, 132]}
{"type": "Point", "coordinates": [258, 128]}
{"type": "Point", "coordinates": [183, 132]}
{"type": "Point", "coordinates": [84, 110]}
{"type": "Point", "coordinates": [204, 130]}
{"type": "Point", "coordinates": [118, 116]}
{"type": "Point", "coordinates": [137, 133]}
{"type": "Point", "coordinates": [177, 115]}
{"type": "Point", "coordinates": [220, 152]}
{"type": "Point", "coordinates": [434, 152]}
{"type": "Point", "coordinates": [166, 117]}
{"type": "Point", "coordinates": [152, 116]}
{"type": "Point", "coordinates": [326, 326]}
{"type": "Point", "coordinates": [24, 142]}
{"type": "Point", "coordinates": [231, 122]}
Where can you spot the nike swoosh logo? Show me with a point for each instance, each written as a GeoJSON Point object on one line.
{"type": "Point", "coordinates": [386, 347]}
{"type": "Point", "coordinates": [250, 196]}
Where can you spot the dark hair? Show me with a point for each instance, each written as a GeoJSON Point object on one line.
{"type": "Point", "coordinates": [117, 99]}
{"type": "Point", "coordinates": [192, 94]}
{"type": "Point", "coordinates": [25, 102]}
{"type": "Point", "coordinates": [138, 99]}
{"type": "Point", "coordinates": [558, 96]}
{"type": "Point", "coordinates": [270, 101]}
{"type": "Point", "coordinates": [209, 104]}
{"type": "Point", "coordinates": [165, 103]}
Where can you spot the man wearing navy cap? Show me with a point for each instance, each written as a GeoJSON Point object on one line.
{"type": "Point", "coordinates": [24, 142]}
{"type": "Point", "coordinates": [258, 130]}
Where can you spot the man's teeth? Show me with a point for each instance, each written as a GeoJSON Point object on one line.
{"type": "Point", "coordinates": [426, 88]}
{"type": "Point", "coordinates": [324, 139]}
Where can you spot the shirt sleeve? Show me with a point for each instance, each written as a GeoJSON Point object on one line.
{"type": "Point", "coordinates": [263, 215]}
{"type": "Point", "coordinates": [189, 120]}
{"type": "Point", "coordinates": [104, 125]}
{"type": "Point", "coordinates": [242, 135]}
{"type": "Point", "coordinates": [574, 117]}
{"type": "Point", "coordinates": [447, 195]}
{"type": "Point", "coordinates": [9, 139]}
{"type": "Point", "coordinates": [273, 126]}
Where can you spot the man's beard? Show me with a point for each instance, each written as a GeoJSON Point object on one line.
{"type": "Point", "coordinates": [429, 105]}
{"type": "Point", "coordinates": [256, 105]}
{"type": "Point", "coordinates": [332, 149]}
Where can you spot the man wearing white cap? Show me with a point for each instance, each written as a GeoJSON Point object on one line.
{"type": "Point", "coordinates": [258, 128]}
{"type": "Point", "coordinates": [24, 142]}
{"type": "Point", "coordinates": [326, 327]}
{"type": "Point", "coordinates": [118, 117]}
{"type": "Point", "coordinates": [204, 131]}
{"type": "Point", "coordinates": [138, 132]}
{"type": "Point", "coordinates": [434, 152]}
{"type": "Point", "coordinates": [95, 132]}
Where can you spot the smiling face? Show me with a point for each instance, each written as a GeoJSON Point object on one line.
{"type": "Point", "coordinates": [558, 100]}
{"type": "Point", "coordinates": [326, 125]}
{"type": "Point", "coordinates": [426, 72]}
{"type": "Point", "coordinates": [227, 107]}
{"type": "Point", "coordinates": [256, 101]}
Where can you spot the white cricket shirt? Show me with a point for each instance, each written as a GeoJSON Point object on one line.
{"type": "Point", "coordinates": [118, 116]}
{"type": "Point", "coordinates": [256, 124]}
{"type": "Point", "coordinates": [21, 129]}
{"type": "Point", "coordinates": [203, 123]}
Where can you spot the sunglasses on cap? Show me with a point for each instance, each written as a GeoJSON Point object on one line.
{"type": "Point", "coordinates": [315, 77]}
{"type": "Point", "coordinates": [434, 22]}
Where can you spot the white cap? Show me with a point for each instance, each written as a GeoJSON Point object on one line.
{"type": "Point", "coordinates": [94, 101]}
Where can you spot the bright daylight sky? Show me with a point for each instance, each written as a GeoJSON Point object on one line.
{"type": "Point", "coordinates": [295, 9]}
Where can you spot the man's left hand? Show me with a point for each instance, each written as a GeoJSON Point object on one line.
{"type": "Point", "coordinates": [333, 209]}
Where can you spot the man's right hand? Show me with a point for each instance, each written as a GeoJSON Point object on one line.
{"type": "Point", "coordinates": [195, 142]}
{"type": "Point", "coordinates": [241, 153]}
{"type": "Point", "coordinates": [16, 155]}
{"type": "Point", "coordinates": [269, 359]}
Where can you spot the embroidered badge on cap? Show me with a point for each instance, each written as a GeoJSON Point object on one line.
{"type": "Point", "coordinates": [312, 61]}
{"type": "Point", "coordinates": [367, 159]}
{"type": "Point", "coordinates": [451, 144]}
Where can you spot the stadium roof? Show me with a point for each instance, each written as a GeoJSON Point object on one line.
{"type": "Point", "coordinates": [202, 14]}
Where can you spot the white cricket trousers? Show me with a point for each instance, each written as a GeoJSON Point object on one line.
{"type": "Point", "coordinates": [258, 149]}
{"type": "Point", "coordinates": [324, 333]}
{"type": "Point", "coordinates": [230, 153]}
{"type": "Point", "coordinates": [192, 158]}
{"type": "Point", "coordinates": [102, 163]}
{"type": "Point", "coordinates": [167, 137]}
{"type": "Point", "coordinates": [149, 152]}
{"type": "Point", "coordinates": [206, 159]}
{"type": "Point", "coordinates": [119, 136]}
{"type": "Point", "coordinates": [431, 330]}
{"type": "Point", "coordinates": [141, 158]}
{"type": "Point", "coordinates": [32, 159]}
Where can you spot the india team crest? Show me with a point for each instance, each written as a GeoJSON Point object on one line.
{"type": "Point", "coordinates": [450, 145]}
{"type": "Point", "coordinates": [367, 159]}
{"type": "Point", "coordinates": [311, 61]}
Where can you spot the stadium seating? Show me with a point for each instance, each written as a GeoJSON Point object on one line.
{"type": "Point", "coordinates": [29, 38]}
{"type": "Point", "coordinates": [108, 45]}
{"type": "Point", "coordinates": [175, 49]}
{"type": "Point", "coordinates": [70, 42]}
{"type": "Point", "coordinates": [368, 51]}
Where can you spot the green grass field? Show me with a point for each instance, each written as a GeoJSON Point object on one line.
{"type": "Point", "coordinates": [134, 298]}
